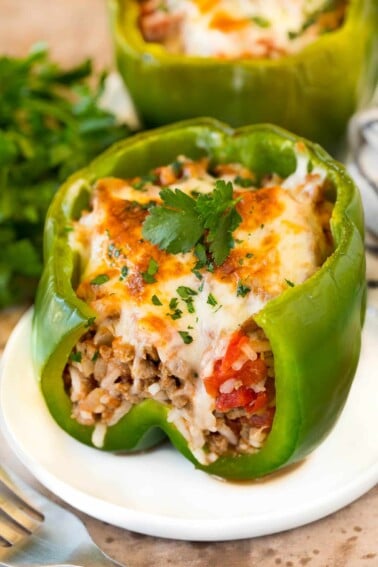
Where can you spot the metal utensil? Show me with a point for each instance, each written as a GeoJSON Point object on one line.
{"type": "Point", "coordinates": [36, 531]}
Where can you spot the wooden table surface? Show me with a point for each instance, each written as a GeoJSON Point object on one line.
{"type": "Point", "coordinates": [349, 538]}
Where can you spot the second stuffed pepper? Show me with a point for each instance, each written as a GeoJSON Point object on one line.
{"type": "Point", "coordinates": [303, 65]}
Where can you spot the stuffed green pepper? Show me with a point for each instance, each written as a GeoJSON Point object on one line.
{"type": "Point", "coordinates": [206, 284]}
{"type": "Point", "coordinates": [302, 64]}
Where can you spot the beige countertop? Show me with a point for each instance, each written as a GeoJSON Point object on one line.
{"type": "Point", "coordinates": [347, 538]}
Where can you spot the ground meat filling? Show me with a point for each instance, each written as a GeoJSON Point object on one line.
{"type": "Point", "coordinates": [105, 377]}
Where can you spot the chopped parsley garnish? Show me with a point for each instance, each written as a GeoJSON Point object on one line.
{"type": "Point", "coordinates": [173, 303]}
{"type": "Point", "coordinates": [243, 181]}
{"type": "Point", "coordinates": [260, 21]}
{"type": "Point", "coordinates": [185, 292]}
{"type": "Point", "coordinates": [152, 268]}
{"type": "Point", "coordinates": [249, 255]}
{"type": "Point", "coordinates": [177, 167]}
{"type": "Point", "coordinates": [90, 322]}
{"type": "Point", "coordinates": [95, 356]}
{"type": "Point", "coordinates": [155, 300]}
{"type": "Point", "coordinates": [289, 283]}
{"type": "Point", "coordinates": [211, 300]}
{"type": "Point", "coordinates": [175, 312]}
{"type": "Point", "coordinates": [124, 272]}
{"type": "Point", "coordinates": [100, 279]}
{"type": "Point", "coordinates": [51, 124]}
{"type": "Point", "coordinates": [186, 337]}
{"type": "Point", "coordinates": [113, 251]}
{"type": "Point", "coordinates": [75, 356]}
{"type": "Point", "coordinates": [242, 290]}
{"type": "Point", "coordinates": [181, 222]}
{"type": "Point", "coordinates": [149, 178]}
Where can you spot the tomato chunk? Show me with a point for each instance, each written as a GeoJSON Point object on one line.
{"type": "Point", "coordinates": [236, 399]}
{"type": "Point", "coordinates": [251, 372]}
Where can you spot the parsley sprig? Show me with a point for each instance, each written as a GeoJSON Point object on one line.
{"type": "Point", "coordinates": [51, 124]}
{"type": "Point", "coordinates": [183, 223]}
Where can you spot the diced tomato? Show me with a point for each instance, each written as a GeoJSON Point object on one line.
{"type": "Point", "coordinates": [257, 404]}
{"type": "Point", "coordinates": [233, 351]}
{"type": "Point", "coordinates": [250, 373]}
{"type": "Point", "coordinates": [236, 399]}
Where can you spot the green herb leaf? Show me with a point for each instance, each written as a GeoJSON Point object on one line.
{"type": "Point", "coordinates": [51, 124]}
{"type": "Point", "coordinates": [181, 222]}
{"type": "Point", "coordinates": [90, 322]}
{"type": "Point", "coordinates": [75, 356]}
{"type": "Point", "coordinates": [220, 218]}
{"type": "Point", "coordinates": [186, 292]}
{"type": "Point", "coordinates": [242, 290]}
{"type": "Point", "coordinates": [243, 181]}
{"type": "Point", "coordinates": [155, 300]}
{"type": "Point", "coordinates": [186, 337]}
{"type": "Point", "coordinates": [100, 279]}
{"type": "Point", "coordinates": [260, 21]}
{"type": "Point", "coordinates": [175, 226]}
{"type": "Point", "coordinates": [211, 300]}
{"type": "Point", "coordinates": [289, 283]}
{"type": "Point", "coordinates": [152, 268]}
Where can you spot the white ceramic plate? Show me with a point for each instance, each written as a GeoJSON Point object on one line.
{"type": "Point", "coordinates": [160, 493]}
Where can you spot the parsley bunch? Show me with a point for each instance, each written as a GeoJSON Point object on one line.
{"type": "Point", "coordinates": [51, 124]}
{"type": "Point", "coordinates": [204, 224]}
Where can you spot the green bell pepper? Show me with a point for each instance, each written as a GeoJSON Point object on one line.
{"type": "Point", "coordinates": [314, 328]}
{"type": "Point", "coordinates": [312, 93]}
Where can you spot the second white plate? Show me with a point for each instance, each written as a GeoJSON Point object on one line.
{"type": "Point", "coordinates": [160, 493]}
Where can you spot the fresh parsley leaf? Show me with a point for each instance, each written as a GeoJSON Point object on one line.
{"type": "Point", "coordinates": [152, 268]}
{"type": "Point", "coordinates": [155, 300]}
{"type": "Point", "coordinates": [174, 226]}
{"type": "Point", "coordinates": [51, 124]}
{"type": "Point", "coordinates": [148, 179]}
{"type": "Point", "coordinates": [75, 356]}
{"type": "Point", "coordinates": [211, 300]}
{"type": "Point", "coordinates": [95, 356]}
{"type": "Point", "coordinates": [186, 337]}
{"type": "Point", "coordinates": [90, 322]}
{"type": "Point", "coordinates": [260, 21]}
{"type": "Point", "coordinates": [242, 290]}
{"type": "Point", "coordinates": [243, 181]}
{"type": "Point", "coordinates": [100, 279]}
{"type": "Point", "coordinates": [186, 292]}
{"type": "Point", "coordinates": [182, 222]}
{"type": "Point", "coordinates": [124, 273]}
{"type": "Point", "coordinates": [220, 217]}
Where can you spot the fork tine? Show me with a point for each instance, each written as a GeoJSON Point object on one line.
{"type": "Point", "coordinates": [18, 515]}
{"type": "Point", "coordinates": [9, 533]}
{"type": "Point", "coordinates": [7, 481]}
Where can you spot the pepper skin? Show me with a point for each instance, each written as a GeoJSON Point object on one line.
{"type": "Point", "coordinates": [312, 93]}
{"type": "Point", "coordinates": [314, 328]}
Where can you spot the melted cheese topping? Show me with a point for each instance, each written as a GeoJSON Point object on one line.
{"type": "Point", "coordinates": [239, 28]}
{"type": "Point", "coordinates": [280, 242]}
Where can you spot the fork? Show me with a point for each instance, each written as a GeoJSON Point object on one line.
{"type": "Point", "coordinates": [35, 531]}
